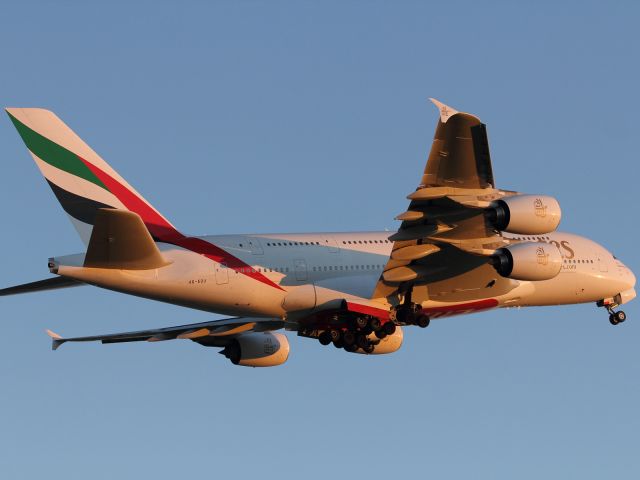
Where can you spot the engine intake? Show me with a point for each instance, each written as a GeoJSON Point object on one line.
{"type": "Point", "coordinates": [526, 214]}
{"type": "Point", "coordinates": [258, 349]}
{"type": "Point", "coordinates": [528, 261]}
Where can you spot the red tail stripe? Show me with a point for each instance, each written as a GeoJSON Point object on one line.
{"type": "Point", "coordinates": [165, 232]}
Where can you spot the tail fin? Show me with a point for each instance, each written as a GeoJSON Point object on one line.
{"type": "Point", "coordinates": [82, 181]}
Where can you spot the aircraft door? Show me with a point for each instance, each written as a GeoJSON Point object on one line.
{"type": "Point", "coordinates": [331, 244]}
{"type": "Point", "coordinates": [300, 267]}
{"type": "Point", "coordinates": [222, 274]}
{"type": "Point", "coordinates": [602, 264]}
{"type": "Point", "coordinates": [255, 246]}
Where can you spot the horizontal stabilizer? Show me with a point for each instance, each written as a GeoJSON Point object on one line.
{"type": "Point", "coordinates": [121, 240]}
{"type": "Point", "coordinates": [47, 284]}
{"type": "Point", "coordinates": [56, 340]}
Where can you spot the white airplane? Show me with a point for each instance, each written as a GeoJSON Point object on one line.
{"type": "Point", "coordinates": [463, 246]}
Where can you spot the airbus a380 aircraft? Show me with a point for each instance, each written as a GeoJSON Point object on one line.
{"type": "Point", "coordinates": [463, 246]}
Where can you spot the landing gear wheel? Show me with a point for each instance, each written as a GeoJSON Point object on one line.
{"type": "Point", "coordinates": [362, 341]}
{"type": "Point", "coordinates": [348, 338]}
{"type": "Point", "coordinates": [338, 344]}
{"type": "Point", "coordinates": [361, 322]}
{"type": "Point", "coordinates": [325, 338]}
{"type": "Point", "coordinates": [620, 316]}
{"type": "Point", "coordinates": [389, 328]}
{"type": "Point", "coordinates": [405, 316]}
{"type": "Point", "coordinates": [374, 323]}
{"type": "Point", "coordinates": [351, 348]}
{"type": "Point", "coordinates": [612, 319]}
{"type": "Point", "coordinates": [381, 333]}
{"type": "Point", "coordinates": [423, 321]}
{"type": "Point", "coordinates": [335, 335]}
{"type": "Point", "coordinates": [369, 349]}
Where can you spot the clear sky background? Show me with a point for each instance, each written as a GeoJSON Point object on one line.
{"type": "Point", "coordinates": [235, 117]}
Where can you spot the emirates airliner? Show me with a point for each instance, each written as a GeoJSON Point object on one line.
{"type": "Point", "coordinates": [463, 245]}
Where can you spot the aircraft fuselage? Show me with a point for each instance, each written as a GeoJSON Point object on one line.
{"type": "Point", "coordinates": [307, 270]}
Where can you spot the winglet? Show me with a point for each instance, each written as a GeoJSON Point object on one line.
{"type": "Point", "coordinates": [56, 340]}
{"type": "Point", "coordinates": [445, 111]}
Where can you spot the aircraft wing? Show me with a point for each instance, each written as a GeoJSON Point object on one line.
{"type": "Point", "coordinates": [444, 232]}
{"type": "Point", "coordinates": [213, 333]}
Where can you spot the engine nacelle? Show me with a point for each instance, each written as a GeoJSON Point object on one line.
{"type": "Point", "coordinates": [528, 261]}
{"type": "Point", "coordinates": [389, 344]}
{"type": "Point", "coordinates": [258, 349]}
{"type": "Point", "coordinates": [526, 214]}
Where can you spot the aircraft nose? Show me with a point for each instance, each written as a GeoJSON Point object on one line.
{"type": "Point", "coordinates": [629, 283]}
{"type": "Point", "coordinates": [632, 278]}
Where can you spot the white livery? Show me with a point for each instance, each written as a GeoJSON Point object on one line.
{"type": "Point", "coordinates": [462, 246]}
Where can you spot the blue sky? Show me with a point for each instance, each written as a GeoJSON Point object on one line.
{"type": "Point", "coordinates": [238, 117]}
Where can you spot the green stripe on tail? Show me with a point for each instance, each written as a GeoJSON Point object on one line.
{"type": "Point", "coordinates": [54, 154]}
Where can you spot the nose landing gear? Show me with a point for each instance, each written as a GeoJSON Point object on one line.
{"type": "Point", "coordinates": [617, 317]}
{"type": "Point", "coordinates": [614, 317]}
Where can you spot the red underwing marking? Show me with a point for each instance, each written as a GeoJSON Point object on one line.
{"type": "Point", "coordinates": [381, 313]}
{"type": "Point", "coordinates": [460, 309]}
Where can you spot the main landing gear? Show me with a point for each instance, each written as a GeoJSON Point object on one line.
{"type": "Point", "coordinates": [614, 317]}
{"type": "Point", "coordinates": [357, 334]}
{"type": "Point", "coordinates": [364, 332]}
{"type": "Point", "coordinates": [409, 313]}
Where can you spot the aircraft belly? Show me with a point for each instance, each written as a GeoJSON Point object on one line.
{"type": "Point", "coordinates": [571, 288]}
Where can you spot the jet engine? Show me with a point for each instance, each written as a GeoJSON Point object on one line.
{"type": "Point", "coordinates": [389, 344]}
{"type": "Point", "coordinates": [528, 261]}
{"type": "Point", "coordinates": [258, 349]}
{"type": "Point", "coordinates": [526, 214]}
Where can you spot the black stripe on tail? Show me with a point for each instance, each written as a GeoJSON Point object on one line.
{"type": "Point", "coordinates": [80, 208]}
